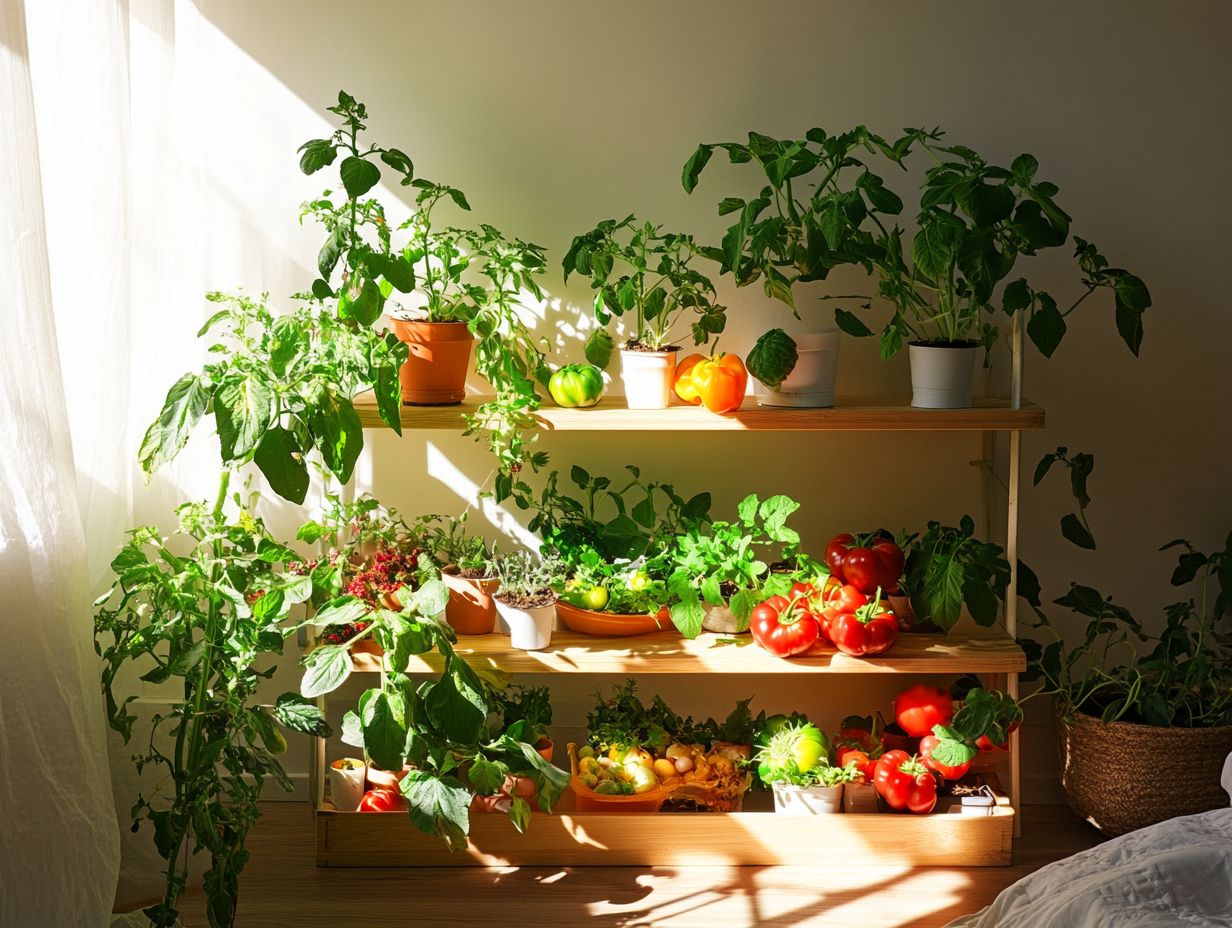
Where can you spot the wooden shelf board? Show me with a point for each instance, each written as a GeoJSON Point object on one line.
{"type": "Point", "coordinates": [853, 413]}
{"type": "Point", "coordinates": [568, 838]}
{"type": "Point", "coordinates": [976, 651]}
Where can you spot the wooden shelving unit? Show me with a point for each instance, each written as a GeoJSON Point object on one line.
{"type": "Point", "coordinates": [851, 414]}
{"type": "Point", "coordinates": [982, 651]}
{"type": "Point", "coordinates": [748, 837]}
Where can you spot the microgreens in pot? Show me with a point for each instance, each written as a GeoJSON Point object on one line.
{"type": "Point", "coordinates": [449, 543]}
{"type": "Point", "coordinates": [527, 579]}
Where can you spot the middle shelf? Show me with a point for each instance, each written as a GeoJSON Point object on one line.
{"type": "Point", "coordinates": [977, 651]}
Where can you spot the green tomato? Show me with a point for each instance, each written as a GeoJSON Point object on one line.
{"type": "Point", "coordinates": [639, 581]}
{"type": "Point", "coordinates": [595, 597]}
{"type": "Point", "coordinates": [576, 385]}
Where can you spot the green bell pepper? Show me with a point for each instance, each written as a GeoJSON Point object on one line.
{"type": "Point", "coordinates": [576, 385]}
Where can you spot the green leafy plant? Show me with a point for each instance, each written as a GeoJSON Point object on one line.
{"type": "Point", "coordinates": [206, 610]}
{"type": "Point", "coordinates": [989, 714]}
{"type": "Point", "coordinates": [779, 760]}
{"type": "Point", "coordinates": [439, 727]}
{"type": "Point", "coordinates": [625, 520]}
{"type": "Point", "coordinates": [528, 708]}
{"type": "Point", "coordinates": [1181, 676]}
{"type": "Point", "coordinates": [975, 221]}
{"type": "Point", "coordinates": [447, 541]}
{"type": "Point", "coordinates": [657, 284]}
{"type": "Point", "coordinates": [1074, 527]}
{"type": "Point", "coordinates": [280, 388]}
{"type": "Point", "coordinates": [722, 563]}
{"type": "Point", "coordinates": [623, 720]}
{"type": "Point", "coordinates": [624, 587]}
{"type": "Point", "coordinates": [948, 567]}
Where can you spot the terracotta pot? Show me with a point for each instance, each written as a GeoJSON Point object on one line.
{"type": "Point", "coordinates": [514, 786]}
{"type": "Point", "coordinates": [471, 609]}
{"type": "Point", "coordinates": [434, 373]}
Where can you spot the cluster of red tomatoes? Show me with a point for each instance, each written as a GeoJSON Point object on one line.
{"type": "Point", "coordinates": [846, 611]}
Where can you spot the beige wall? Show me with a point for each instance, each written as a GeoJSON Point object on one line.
{"type": "Point", "coordinates": [551, 115]}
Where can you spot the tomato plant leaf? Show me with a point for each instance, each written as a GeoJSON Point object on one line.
{"type": "Point", "coordinates": [773, 358]}
{"type": "Point", "coordinates": [183, 408]}
{"type": "Point", "coordinates": [327, 668]}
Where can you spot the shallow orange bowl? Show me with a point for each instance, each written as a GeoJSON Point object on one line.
{"type": "Point", "coordinates": [607, 624]}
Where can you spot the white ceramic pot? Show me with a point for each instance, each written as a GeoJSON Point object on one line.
{"type": "Point", "coordinates": [347, 783]}
{"type": "Point", "coordinates": [807, 800]}
{"type": "Point", "coordinates": [941, 375]}
{"type": "Point", "coordinates": [811, 381]}
{"type": "Point", "coordinates": [720, 619]}
{"type": "Point", "coordinates": [648, 377]}
{"type": "Point", "coordinates": [529, 629]}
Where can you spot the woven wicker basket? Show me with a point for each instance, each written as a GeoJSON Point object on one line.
{"type": "Point", "coordinates": [1122, 776]}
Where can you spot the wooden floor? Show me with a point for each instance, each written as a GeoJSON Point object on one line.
{"type": "Point", "coordinates": [282, 888]}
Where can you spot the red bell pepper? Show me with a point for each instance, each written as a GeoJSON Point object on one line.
{"type": "Point", "coordinates": [918, 709]}
{"type": "Point", "coordinates": [381, 799]}
{"type": "Point", "coordinates": [868, 562]}
{"type": "Point", "coordinates": [784, 626]}
{"type": "Point", "coordinates": [905, 783]}
{"type": "Point", "coordinates": [866, 630]}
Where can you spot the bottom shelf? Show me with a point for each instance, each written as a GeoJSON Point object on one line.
{"type": "Point", "coordinates": [749, 838]}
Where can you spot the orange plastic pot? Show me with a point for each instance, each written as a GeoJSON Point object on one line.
{"type": "Point", "coordinates": [434, 373]}
{"type": "Point", "coordinates": [515, 786]}
{"type": "Point", "coordinates": [470, 609]}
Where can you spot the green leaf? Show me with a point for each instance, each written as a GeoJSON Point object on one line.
{"type": "Point", "coordinates": [1017, 296]}
{"type": "Point", "coordinates": [439, 806]}
{"type": "Point", "coordinates": [1075, 532]}
{"type": "Point", "coordinates": [344, 610]}
{"type": "Point", "coordinates": [339, 435]}
{"type": "Point", "coordinates": [1046, 327]}
{"type": "Point", "coordinates": [358, 176]}
{"type": "Point", "coordinates": [289, 341]}
{"type": "Point", "coordinates": [932, 249]}
{"type": "Point", "coordinates": [1023, 168]}
{"type": "Point", "coordinates": [693, 167]}
{"type": "Point", "coordinates": [1042, 468]}
{"type": "Point", "coordinates": [456, 705]}
{"type": "Point", "coordinates": [278, 457]}
{"type": "Point", "coordinates": [519, 814]}
{"type": "Point", "coordinates": [687, 616]}
{"type": "Point", "coordinates": [831, 223]}
{"type": "Point", "coordinates": [326, 669]}
{"type": "Point", "coordinates": [361, 301]}
{"type": "Point", "coordinates": [988, 204]}
{"type": "Point", "coordinates": [487, 776]}
{"type": "Point", "coordinates": [384, 723]}
{"type": "Point", "coordinates": [316, 154]}
{"type": "Point", "coordinates": [243, 409]}
{"type": "Point", "coordinates": [944, 588]}
{"type": "Point", "coordinates": [598, 348]}
{"type": "Point", "coordinates": [773, 358]}
{"type": "Point", "coordinates": [399, 160]}
{"type": "Point", "coordinates": [297, 714]}
{"type": "Point", "coordinates": [851, 323]}
{"type": "Point", "coordinates": [458, 197]}
{"type": "Point", "coordinates": [981, 600]}
{"type": "Point", "coordinates": [183, 408]}
{"type": "Point", "coordinates": [954, 753]}
{"type": "Point", "coordinates": [327, 257]}
{"type": "Point", "coordinates": [388, 390]}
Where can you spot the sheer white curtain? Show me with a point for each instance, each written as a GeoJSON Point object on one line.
{"type": "Point", "coordinates": [144, 159]}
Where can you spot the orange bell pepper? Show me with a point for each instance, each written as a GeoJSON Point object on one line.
{"type": "Point", "coordinates": [717, 382]}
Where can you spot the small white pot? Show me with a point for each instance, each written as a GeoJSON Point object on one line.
{"type": "Point", "coordinates": [648, 377]}
{"type": "Point", "coordinates": [811, 381]}
{"type": "Point", "coordinates": [346, 786]}
{"type": "Point", "coordinates": [807, 800]}
{"type": "Point", "coordinates": [529, 629]}
{"type": "Point", "coordinates": [720, 619]}
{"type": "Point", "coordinates": [941, 375]}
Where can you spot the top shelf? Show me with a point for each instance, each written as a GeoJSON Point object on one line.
{"type": "Point", "coordinates": [852, 413]}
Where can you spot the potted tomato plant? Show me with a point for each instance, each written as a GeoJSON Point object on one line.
{"type": "Point", "coordinates": [1125, 696]}
{"type": "Point", "coordinates": [464, 561]}
{"type": "Point", "coordinates": [523, 714]}
{"type": "Point", "coordinates": [657, 286]}
{"type": "Point", "coordinates": [526, 598]}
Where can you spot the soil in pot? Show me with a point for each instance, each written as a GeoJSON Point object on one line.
{"type": "Point", "coordinates": [470, 609]}
{"type": "Point", "coordinates": [528, 600]}
{"type": "Point", "coordinates": [434, 373]}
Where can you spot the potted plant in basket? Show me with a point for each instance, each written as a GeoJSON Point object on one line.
{"type": "Point", "coordinates": [526, 598]}
{"type": "Point", "coordinates": [718, 573]}
{"type": "Point", "coordinates": [1126, 697]}
{"type": "Point", "coordinates": [657, 285]}
{"type": "Point", "coordinates": [464, 561]}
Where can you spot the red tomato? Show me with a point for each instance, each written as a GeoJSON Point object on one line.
{"type": "Point", "coordinates": [865, 765]}
{"type": "Point", "coordinates": [927, 744]}
{"type": "Point", "coordinates": [835, 552]}
{"type": "Point", "coordinates": [905, 783]}
{"type": "Point", "coordinates": [382, 800]}
{"type": "Point", "coordinates": [784, 627]}
{"type": "Point", "coordinates": [918, 709]}
{"type": "Point", "coordinates": [875, 564]}
{"type": "Point", "coordinates": [868, 630]}
{"type": "Point", "coordinates": [846, 598]}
